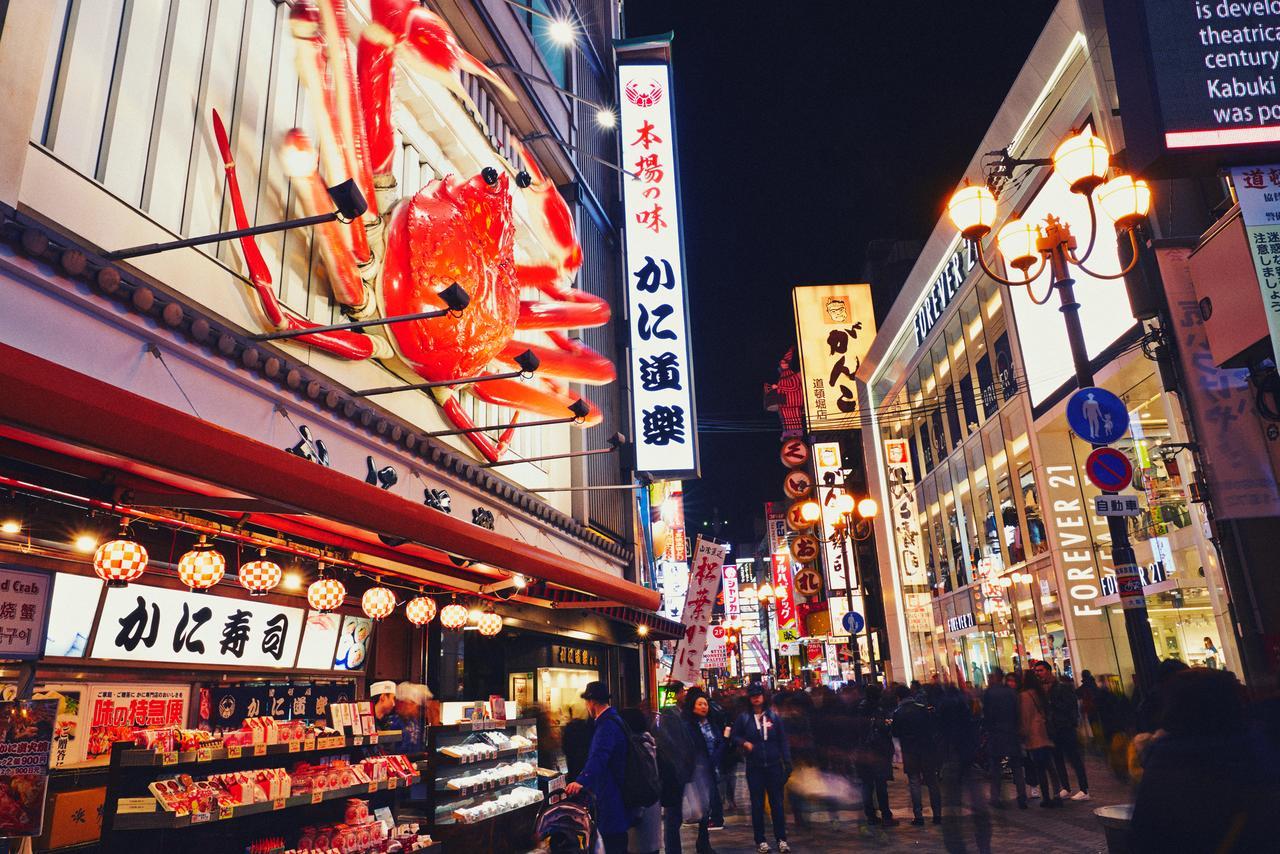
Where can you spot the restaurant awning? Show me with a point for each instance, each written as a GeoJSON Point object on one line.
{"type": "Point", "coordinates": [50, 406]}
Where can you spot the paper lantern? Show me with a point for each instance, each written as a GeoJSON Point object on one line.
{"type": "Point", "coordinates": [202, 567]}
{"type": "Point", "coordinates": [453, 616]}
{"type": "Point", "coordinates": [489, 624]}
{"type": "Point", "coordinates": [378, 602]}
{"type": "Point", "coordinates": [261, 575]}
{"type": "Point", "coordinates": [121, 560]}
{"type": "Point", "coordinates": [420, 610]}
{"type": "Point", "coordinates": [326, 594]}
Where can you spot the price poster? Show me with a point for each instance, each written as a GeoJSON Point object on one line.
{"type": "Point", "coordinates": [26, 737]}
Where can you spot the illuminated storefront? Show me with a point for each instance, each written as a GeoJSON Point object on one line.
{"type": "Point", "coordinates": [994, 556]}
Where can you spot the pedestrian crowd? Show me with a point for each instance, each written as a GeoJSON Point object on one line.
{"type": "Point", "coordinates": [1204, 761]}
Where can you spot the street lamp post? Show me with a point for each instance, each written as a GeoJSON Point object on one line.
{"type": "Point", "coordinates": [1083, 161]}
{"type": "Point", "coordinates": [847, 529]}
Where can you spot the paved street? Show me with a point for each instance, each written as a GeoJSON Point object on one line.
{"type": "Point", "coordinates": [1072, 829]}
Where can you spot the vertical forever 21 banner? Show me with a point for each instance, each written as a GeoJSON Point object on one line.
{"type": "Point", "coordinates": [662, 402]}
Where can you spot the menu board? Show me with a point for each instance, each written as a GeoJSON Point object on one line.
{"type": "Point", "coordinates": [26, 733]}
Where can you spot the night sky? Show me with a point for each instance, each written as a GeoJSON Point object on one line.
{"type": "Point", "coordinates": [806, 130]}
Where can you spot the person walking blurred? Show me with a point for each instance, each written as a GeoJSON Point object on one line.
{"type": "Point", "coordinates": [873, 755]}
{"type": "Point", "coordinates": [1064, 723]}
{"type": "Point", "coordinates": [1000, 725]}
{"type": "Point", "coordinates": [1033, 728]}
{"type": "Point", "coordinates": [675, 766]}
{"type": "Point", "coordinates": [708, 744]}
{"type": "Point", "coordinates": [962, 783]}
{"type": "Point", "coordinates": [763, 740]}
{"type": "Point", "coordinates": [645, 836]}
{"type": "Point", "coordinates": [917, 732]}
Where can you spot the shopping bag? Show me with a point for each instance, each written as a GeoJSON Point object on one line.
{"type": "Point", "coordinates": [697, 796]}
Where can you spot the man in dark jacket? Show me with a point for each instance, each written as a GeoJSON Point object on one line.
{"type": "Point", "coordinates": [1064, 719]}
{"type": "Point", "coordinates": [606, 766]}
{"type": "Point", "coordinates": [675, 766]}
{"type": "Point", "coordinates": [763, 741]}
{"type": "Point", "coordinates": [873, 754]}
{"type": "Point", "coordinates": [1000, 724]}
{"type": "Point", "coordinates": [917, 731]}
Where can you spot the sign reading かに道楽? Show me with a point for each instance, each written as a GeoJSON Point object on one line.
{"type": "Point", "coordinates": [661, 354]}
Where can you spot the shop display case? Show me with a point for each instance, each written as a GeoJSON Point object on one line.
{"type": "Point", "coordinates": [485, 782]}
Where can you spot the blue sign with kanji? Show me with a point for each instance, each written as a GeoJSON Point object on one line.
{"type": "Point", "coordinates": [1097, 416]}
{"type": "Point", "coordinates": [1108, 469]}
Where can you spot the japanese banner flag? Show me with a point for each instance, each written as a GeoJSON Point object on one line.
{"type": "Point", "coordinates": [705, 572]}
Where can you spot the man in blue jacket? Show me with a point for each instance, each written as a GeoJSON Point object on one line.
{"type": "Point", "coordinates": [606, 766]}
{"type": "Point", "coordinates": [763, 741]}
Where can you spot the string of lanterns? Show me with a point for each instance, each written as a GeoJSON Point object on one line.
{"type": "Point", "coordinates": [123, 560]}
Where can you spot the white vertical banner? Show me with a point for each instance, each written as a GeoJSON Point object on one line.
{"type": "Point", "coordinates": [661, 355]}
{"type": "Point", "coordinates": [731, 591]}
{"type": "Point", "coordinates": [902, 511]}
{"type": "Point", "coordinates": [1258, 189]}
{"type": "Point", "coordinates": [830, 483]}
{"type": "Point", "coordinates": [705, 574]}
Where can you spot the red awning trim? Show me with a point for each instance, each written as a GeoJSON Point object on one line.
{"type": "Point", "coordinates": [660, 627]}
{"type": "Point", "coordinates": [90, 417]}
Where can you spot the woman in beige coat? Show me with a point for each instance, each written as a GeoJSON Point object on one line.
{"type": "Point", "coordinates": [1033, 729]}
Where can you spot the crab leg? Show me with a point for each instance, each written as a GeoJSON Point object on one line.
{"type": "Point", "coordinates": [555, 222]}
{"type": "Point", "coordinates": [333, 20]}
{"type": "Point", "coordinates": [348, 345]}
{"type": "Point", "coordinates": [533, 397]}
{"type": "Point", "coordinates": [313, 57]}
{"type": "Point", "coordinates": [448, 400]}
{"type": "Point", "coordinates": [375, 58]}
{"type": "Point", "coordinates": [568, 309]}
{"type": "Point", "coordinates": [569, 360]}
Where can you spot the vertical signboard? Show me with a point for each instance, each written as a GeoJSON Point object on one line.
{"type": "Point", "coordinates": [788, 624]}
{"type": "Point", "coordinates": [835, 326]}
{"type": "Point", "coordinates": [1258, 189]}
{"type": "Point", "coordinates": [731, 592]}
{"type": "Point", "coordinates": [661, 355]}
{"type": "Point", "coordinates": [830, 477]}
{"type": "Point", "coordinates": [902, 511]}
{"type": "Point", "coordinates": [705, 574]}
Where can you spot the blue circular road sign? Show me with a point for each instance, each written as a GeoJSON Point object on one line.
{"type": "Point", "coordinates": [1109, 469]}
{"type": "Point", "coordinates": [1097, 416]}
{"type": "Point", "coordinates": [853, 622]}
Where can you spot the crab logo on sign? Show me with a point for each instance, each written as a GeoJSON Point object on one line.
{"type": "Point", "coordinates": [644, 93]}
{"type": "Point", "coordinates": [797, 484]}
{"type": "Point", "coordinates": [794, 453]}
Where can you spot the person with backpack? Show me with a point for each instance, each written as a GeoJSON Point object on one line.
{"type": "Point", "coordinates": [616, 764]}
{"type": "Point", "coordinates": [916, 728]}
{"type": "Point", "coordinates": [645, 836]}
{"type": "Point", "coordinates": [708, 745]}
{"type": "Point", "coordinates": [675, 766]}
{"type": "Point", "coordinates": [1064, 721]}
{"type": "Point", "coordinates": [873, 754]}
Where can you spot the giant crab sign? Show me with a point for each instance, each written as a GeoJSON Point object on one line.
{"type": "Point", "coordinates": [397, 257]}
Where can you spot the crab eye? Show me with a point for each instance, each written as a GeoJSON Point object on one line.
{"type": "Point", "coordinates": [523, 179]}
{"type": "Point", "coordinates": [490, 175]}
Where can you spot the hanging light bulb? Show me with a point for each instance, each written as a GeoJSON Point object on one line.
{"type": "Point", "coordinates": [261, 575]}
{"type": "Point", "coordinates": [489, 624]}
{"type": "Point", "coordinates": [378, 602]}
{"type": "Point", "coordinates": [453, 616]}
{"type": "Point", "coordinates": [202, 567]}
{"type": "Point", "coordinates": [121, 560]}
{"type": "Point", "coordinates": [420, 610]}
{"type": "Point", "coordinates": [326, 594]}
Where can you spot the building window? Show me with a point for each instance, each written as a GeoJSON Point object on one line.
{"type": "Point", "coordinates": [554, 55]}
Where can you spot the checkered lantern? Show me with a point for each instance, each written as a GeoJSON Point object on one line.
{"type": "Point", "coordinates": [202, 567]}
{"type": "Point", "coordinates": [326, 594]}
{"type": "Point", "coordinates": [378, 602]}
{"type": "Point", "coordinates": [453, 616]}
{"type": "Point", "coordinates": [420, 610]}
{"type": "Point", "coordinates": [489, 624]}
{"type": "Point", "coordinates": [261, 575]}
{"type": "Point", "coordinates": [120, 561]}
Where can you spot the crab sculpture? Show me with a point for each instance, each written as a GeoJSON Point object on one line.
{"type": "Point", "coordinates": [398, 257]}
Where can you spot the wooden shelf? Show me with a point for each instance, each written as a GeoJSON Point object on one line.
{"type": "Point", "coordinates": [445, 760]}
{"type": "Point", "coordinates": [161, 820]}
{"type": "Point", "coordinates": [155, 758]}
{"type": "Point", "coordinates": [445, 793]}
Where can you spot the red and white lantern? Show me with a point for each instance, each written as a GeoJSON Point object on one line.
{"type": "Point", "coordinates": [489, 624]}
{"type": "Point", "coordinates": [121, 560]}
{"type": "Point", "coordinates": [202, 567]}
{"type": "Point", "coordinates": [453, 616]}
{"type": "Point", "coordinates": [326, 594]}
{"type": "Point", "coordinates": [378, 602]}
{"type": "Point", "coordinates": [420, 610]}
{"type": "Point", "coordinates": [261, 575]}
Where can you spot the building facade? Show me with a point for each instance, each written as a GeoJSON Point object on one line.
{"type": "Point", "coordinates": [992, 554]}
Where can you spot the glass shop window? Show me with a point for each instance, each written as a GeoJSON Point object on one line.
{"type": "Point", "coordinates": [1037, 539]}
{"type": "Point", "coordinates": [998, 461]}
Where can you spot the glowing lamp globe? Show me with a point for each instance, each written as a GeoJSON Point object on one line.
{"type": "Point", "coordinates": [260, 576]}
{"type": "Point", "coordinates": [1124, 200]}
{"type": "Point", "coordinates": [810, 511]}
{"type": "Point", "coordinates": [326, 594]}
{"type": "Point", "coordinates": [489, 624]}
{"type": "Point", "coordinates": [867, 508]}
{"type": "Point", "coordinates": [120, 561]}
{"type": "Point", "coordinates": [844, 503]}
{"type": "Point", "coordinates": [973, 210]}
{"type": "Point", "coordinates": [1017, 243]}
{"type": "Point", "coordinates": [1082, 161]}
{"type": "Point", "coordinates": [420, 610]}
{"type": "Point", "coordinates": [378, 602]}
{"type": "Point", "coordinates": [453, 616]}
{"type": "Point", "coordinates": [202, 567]}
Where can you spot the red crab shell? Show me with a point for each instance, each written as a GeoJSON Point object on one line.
{"type": "Point", "coordinates": [452, 231]}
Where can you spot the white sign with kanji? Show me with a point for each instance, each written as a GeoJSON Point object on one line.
{"type": "Point", "coordinates": [831, 476]}
{"type": "Point", "coordinates": [661, 354]}
{"type": "Point", "coordinates": [901, 513]}
{"type": "Point", "coordinates": [24, 612]}
{"type": "Point", "coordinates": [705, 574]}
{"type": "Point", "coordinates": [1116, 505]}
{"type": "Point", "coordinates": [731, 609]}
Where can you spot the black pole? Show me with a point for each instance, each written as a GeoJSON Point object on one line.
{"type": "Point", "coordinates": [1136, 622]}
{"type": "Point", "coordinates": [156, 248]}
{"type": "Point", "coordinates": [850, 569]}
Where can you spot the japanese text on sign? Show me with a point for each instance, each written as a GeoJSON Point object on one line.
{"type": "Point", "coordinates": [661, 352]}
{"type": "Point", "coordinates": [835, 327]}
{"type": "Point", "coordinates": [24, 611]}
{"type": "Point", "coordinates": [902, 511]}
{"type": "Point", "coordinates": [705, 574]}
{"type": "Point", "coordinates": [831, 477]}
